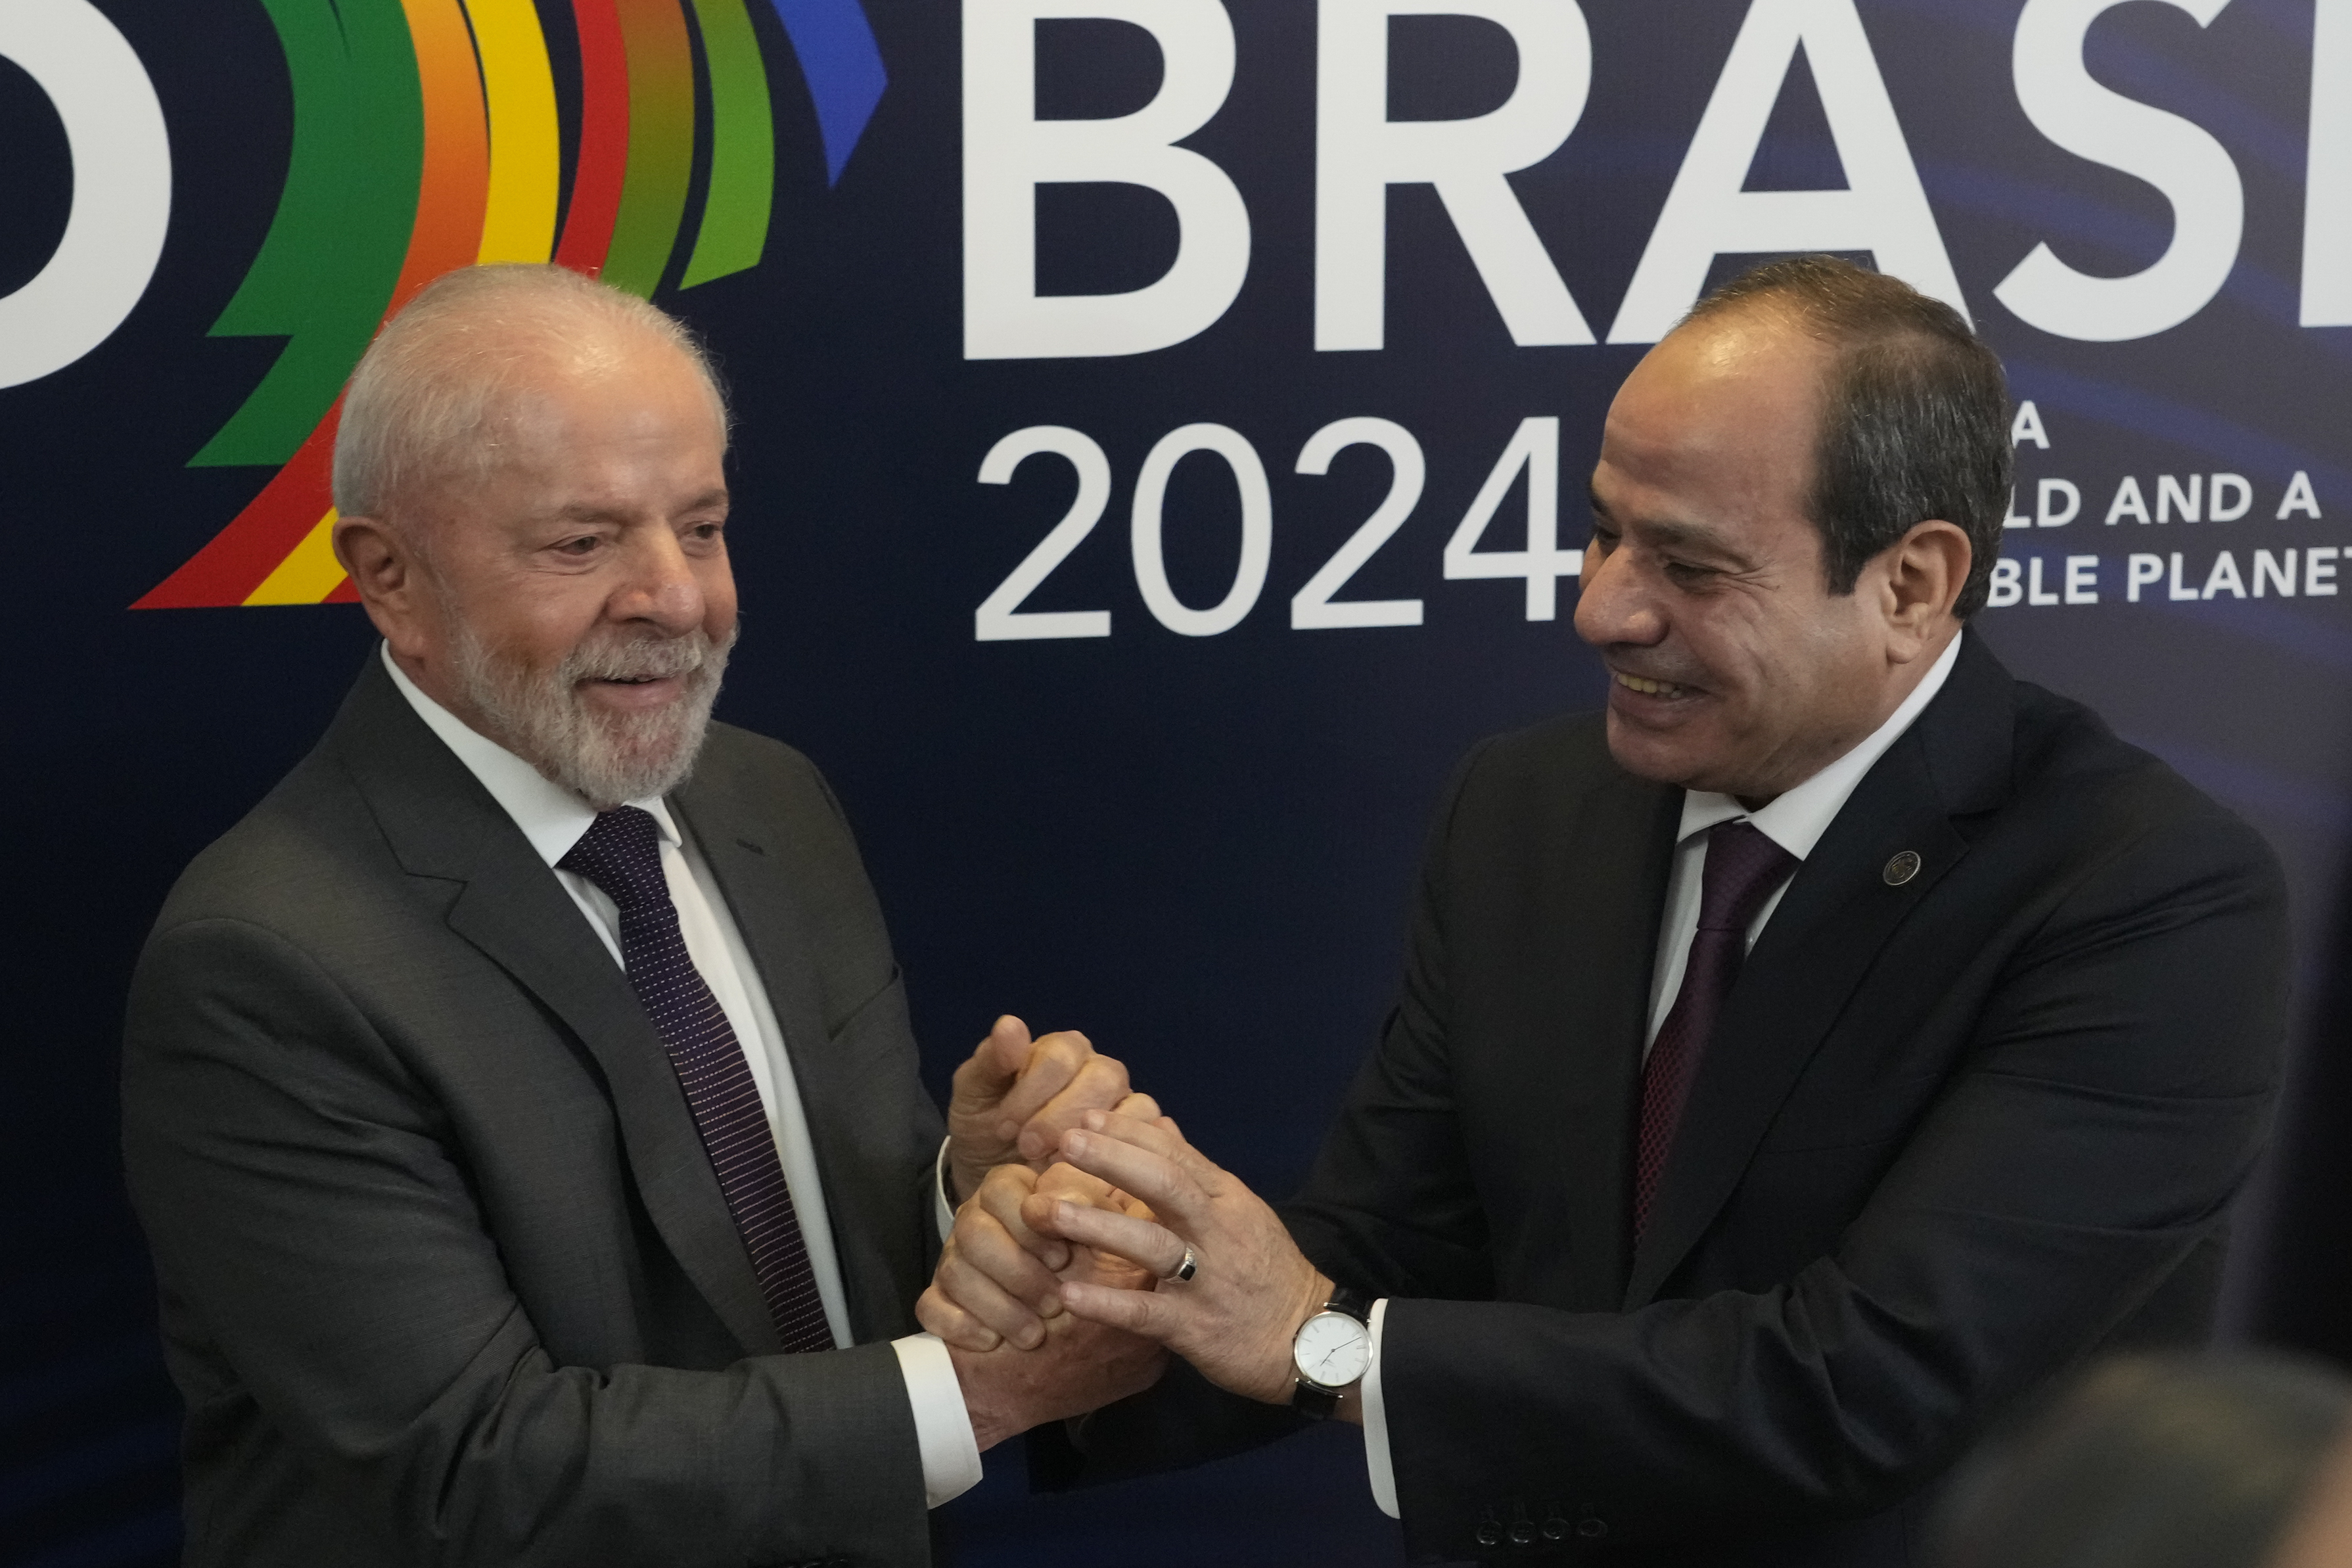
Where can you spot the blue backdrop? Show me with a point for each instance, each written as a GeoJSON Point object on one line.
{"type": "Point", "coordinates": [1131, 264]}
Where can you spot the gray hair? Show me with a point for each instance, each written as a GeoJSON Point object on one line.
{"type": "Point", "coordinates": [1915, 414]}
{"type": "Point", "coordinates": [2178, 1461]}
{"type": "Point", "coordinates": [420, 404]}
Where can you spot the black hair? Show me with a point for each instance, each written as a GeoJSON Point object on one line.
{"type": "Point", "coordinates": [1915, 414]}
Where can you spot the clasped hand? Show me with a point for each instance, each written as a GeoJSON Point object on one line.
{"type": "Point", "coordinates": [1098, 1238]}
{"type": "Point", "coordinates": [1016, 1097]}
{"type": "Point", "coordinates": [1013, 1102]}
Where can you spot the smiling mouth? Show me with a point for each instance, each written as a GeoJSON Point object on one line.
{"type": "Point", "coordinates": [1648, 688]}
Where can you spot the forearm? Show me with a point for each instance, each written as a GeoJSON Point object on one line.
{"type": "Point", "coordinates": [776, 1458]}
{"type": "Point", "coordinates": [1797, 1406]}
{"type": "Point", "coordinates": [1181, 1421]}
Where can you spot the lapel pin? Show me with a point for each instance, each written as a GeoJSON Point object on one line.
{"type": "Point", "coordinates": [1902, 869]}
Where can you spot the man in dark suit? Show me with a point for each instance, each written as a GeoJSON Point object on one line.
{"type": "Point", "coordinates": [1792, 1067]}
{"type": "Point", "coordinates": [520, 1102]}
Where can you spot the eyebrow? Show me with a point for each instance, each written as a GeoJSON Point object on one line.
{"type": "Point", "coordinates": [581, 512]}
{"type": "Point", "coordinates": [1692, 536]}
{"type": "Point", "coordinates": [1689, 536]}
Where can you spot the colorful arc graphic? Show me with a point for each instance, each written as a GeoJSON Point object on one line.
{"type": "Point", "coordinates": [426, 138]}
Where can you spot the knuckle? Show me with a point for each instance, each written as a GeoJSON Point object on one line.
{"type": "Point", "coordinates": [1102, 1084]}
{"type": "Point", "coordinates": [998, 1198]}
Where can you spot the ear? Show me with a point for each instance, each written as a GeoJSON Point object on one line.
{"type": "Point", "coordinates": [1923, 572]}
{"type": "Point", "coordinates": [384, 568]}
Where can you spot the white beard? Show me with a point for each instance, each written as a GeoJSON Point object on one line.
{"type": "Point", "coordinates": [606, 758]}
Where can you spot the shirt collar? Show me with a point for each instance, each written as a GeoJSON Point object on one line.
{"type": "Point", "coordinates": [1796, 818]}
{"type": "Point", "coordinates": [551, 816]}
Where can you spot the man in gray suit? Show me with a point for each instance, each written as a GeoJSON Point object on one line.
{"type": "Point", "coordinates": [521, 1101]}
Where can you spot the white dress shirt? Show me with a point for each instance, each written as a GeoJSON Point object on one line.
{"type": "Point", "coordinates": [1795, 821]}
{"type": "Point", "coordinates": [553, 819]}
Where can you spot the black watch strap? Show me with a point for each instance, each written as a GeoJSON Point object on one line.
{"type": "Point", "coordinates": [1313, 1400]}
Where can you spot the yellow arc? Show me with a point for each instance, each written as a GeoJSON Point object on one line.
{"type": "Point", "coordinates": [525, 147]}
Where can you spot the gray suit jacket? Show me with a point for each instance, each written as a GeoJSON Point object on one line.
{"type": "Point", "coordinates": [446, 1273]}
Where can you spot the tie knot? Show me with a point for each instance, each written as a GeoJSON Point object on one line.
{"type": "Point", "coordinates": [621, 853]}
{"type": "Point", "coordinates": [1743, 867]}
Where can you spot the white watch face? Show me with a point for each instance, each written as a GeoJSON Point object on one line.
{"type": "Point", "coordinates": [1332, 1348]}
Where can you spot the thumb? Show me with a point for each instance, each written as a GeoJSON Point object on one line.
{"type": "Point", "coordinates": [996, 1062]}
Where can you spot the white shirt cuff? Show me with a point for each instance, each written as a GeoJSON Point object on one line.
{"type": "Point", "coordinates": [943, 1206]}
{"type": "Point", "coordinates": [1376, 1422]}
{"type": "Point", "coordinates": [943, 1424]}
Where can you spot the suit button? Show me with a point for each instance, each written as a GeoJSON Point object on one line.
{"type": "Point", "coordinates": [1523, 1533]}
{"type": "Point", "coordinates": [1490, 1534]}
{"type": "Point", "coordinates": [1592, 1528]}
{"type": "Point", "coordinates": [1555, 1528]}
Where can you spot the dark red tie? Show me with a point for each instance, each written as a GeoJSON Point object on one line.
{"type": "Point", "coordinates": [621, 853]}
{"type": "Point", "coordinates": [1743, 867]}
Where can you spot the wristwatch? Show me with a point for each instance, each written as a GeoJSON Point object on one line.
{"type": "Point", "coordinates": [1332, 1350]}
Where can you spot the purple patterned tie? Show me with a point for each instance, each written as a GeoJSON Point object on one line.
{"type": "Point", "coordinates": [1743, 867]}
{"type": "Point", "coordinates": [621, 853]}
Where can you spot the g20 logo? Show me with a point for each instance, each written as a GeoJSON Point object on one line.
{"type": "Point", "coordinates": [426, 137]}
{"type": "Point", "coordinates": [122, 187]}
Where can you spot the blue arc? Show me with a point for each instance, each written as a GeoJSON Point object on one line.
{"type": "Point", "coordinates": [843, 67]}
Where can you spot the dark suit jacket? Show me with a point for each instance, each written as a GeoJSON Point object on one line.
{"type": "Point", "coordinates": [446, 1273]}
{"type": "Point", "coordinates": [1950, 1135]}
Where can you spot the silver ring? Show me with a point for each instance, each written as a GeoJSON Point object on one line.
{"type": "Point", "coordinates": [1186, 1269]}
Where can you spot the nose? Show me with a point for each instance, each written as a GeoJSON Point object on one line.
{"type": "Point", "coordinates": [660, 586]}
{"type": "Point", "coordinates": [1615, 607]}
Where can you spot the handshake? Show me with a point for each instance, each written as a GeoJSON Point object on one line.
{"type": "Point", "coordinates": [1092, 1241]}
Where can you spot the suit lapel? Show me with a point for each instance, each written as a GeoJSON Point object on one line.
{"type": "Point", "coordinates": [1837, 914]}
{"type": "Point", "coordinates": [738, 846]}
{"type": "Point", "coordinates": [1601, 896]}
{"type": "Point", "coordinates": [538, 935]}
{"type": "Point", "coordinates": [441, 824]}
